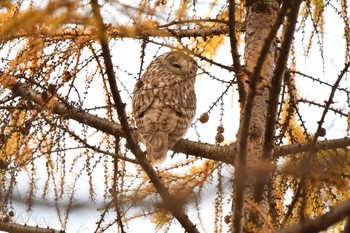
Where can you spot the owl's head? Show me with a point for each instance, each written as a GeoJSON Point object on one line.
{"type": "Point", "coordinates": [180, 63]}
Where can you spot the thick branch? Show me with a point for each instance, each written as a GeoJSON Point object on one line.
{"type": "Point", "coordinates": [179, 33]}
{"type": "Point", "coordinates": [266, 47]}
{"type": "Point", "coordinates": [204, 150]}
{"type": "Point", "coordinates": [321, 223]}
{"type": "Point", "coordinates": [209, 151]}
{"type": "Point", "coordinates": [176, 210]}
{"type": "Point", "coordinates": [18, 228]}
{"type": "Point", "coordinates": [306, 146]}
{"type": "Point", "coordinates": [127, 32]}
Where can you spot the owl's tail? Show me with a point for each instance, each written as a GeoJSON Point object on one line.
{"type": "Point", "coordinates": [157, 147]}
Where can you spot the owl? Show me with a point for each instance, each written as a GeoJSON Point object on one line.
{"type": "Point", "coordinates": [164, 102]}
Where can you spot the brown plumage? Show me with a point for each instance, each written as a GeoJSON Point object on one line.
{"type": "Point", "coordinates": [164, 102]}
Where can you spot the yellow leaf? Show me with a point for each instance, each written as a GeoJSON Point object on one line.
{"type": "Point", "coordinates": [209, 46]}
{"type": "Point", "coordinates": [181, 12]}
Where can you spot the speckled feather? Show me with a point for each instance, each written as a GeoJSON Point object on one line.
{"type": "Point", "coordinates": [164, 102]}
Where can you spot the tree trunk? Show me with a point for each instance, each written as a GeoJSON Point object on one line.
{"type": "Point", "coordinates": [260, 17]}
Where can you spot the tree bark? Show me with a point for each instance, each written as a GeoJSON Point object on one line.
{"type": "Point", "coordinates": [259, 61]}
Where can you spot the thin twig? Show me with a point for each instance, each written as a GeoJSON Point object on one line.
{"type": "Point", "coordinates": [309, 102]}
{"type": "Point", "coordinates": [291, 206]}
{"type": "Point", "coordinates": [325, 111]}
{"type": "Point", "coordinates": [210, 61]}
{"type": "Point", "coordinates": [346, 90]}
{"type": "Point", "coordinates": [176, 22]}
{"type": "Point", "coordinates": [116, 188]}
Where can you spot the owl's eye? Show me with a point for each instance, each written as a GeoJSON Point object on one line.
{"type": "Point", "coordinates": [176, 65]}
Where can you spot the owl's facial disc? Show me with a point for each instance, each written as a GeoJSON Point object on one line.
{"type": "Point", "coordinates": [181, 64]}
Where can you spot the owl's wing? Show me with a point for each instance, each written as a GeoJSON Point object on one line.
{"type": "Point", "coordinates": [164, 104]}
{"type": "Point", "coordinates": [142, 99]}
{"type": "Point", "coordinates": [144, 93]}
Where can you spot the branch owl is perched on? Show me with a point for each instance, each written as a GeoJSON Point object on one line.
{"type": "Point", "coordinates": [164, 102]}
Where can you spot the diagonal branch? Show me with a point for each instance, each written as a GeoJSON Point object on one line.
{"type": "Point", "coordinates": [233, 39]}
{"type": "Point", "coordinates": [267, 44]}
{"type": "Point", "coordinates": [322, 222]}
{"type": "Point", "coordinates": [278, 74]}
{"type": "Point", "coordinates": [234, 51]}
{"type": "Point", "coordinates": [325, 111]}
{"type": "Point", "coordinates": [175, 209]}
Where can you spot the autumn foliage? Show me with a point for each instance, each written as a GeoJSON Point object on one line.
{"type": "Point", "coordinates": [266, 152]}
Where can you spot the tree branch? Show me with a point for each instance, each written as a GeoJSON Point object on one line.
{"type": "Point", "coordinates": [134, 32]}
{"type": "Point", "coordinates": [234, 51]}
{"type": "Point", "coordinates": [322, 222]}
{"type": "Point", "coordinates": [325, 111]}
{"type": "Point", "coordinates": [66, 110]}
{"type": "Point", "coordinates": [175, 209]}
{"type": "Point", "coordinates": [204, 150]}
{"type": "Point", "coordinates": [306, 146]}
{"type": "Point", "coordinates": [18, 228]}
{"type": "Point", "coordinates": [279, 71]}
